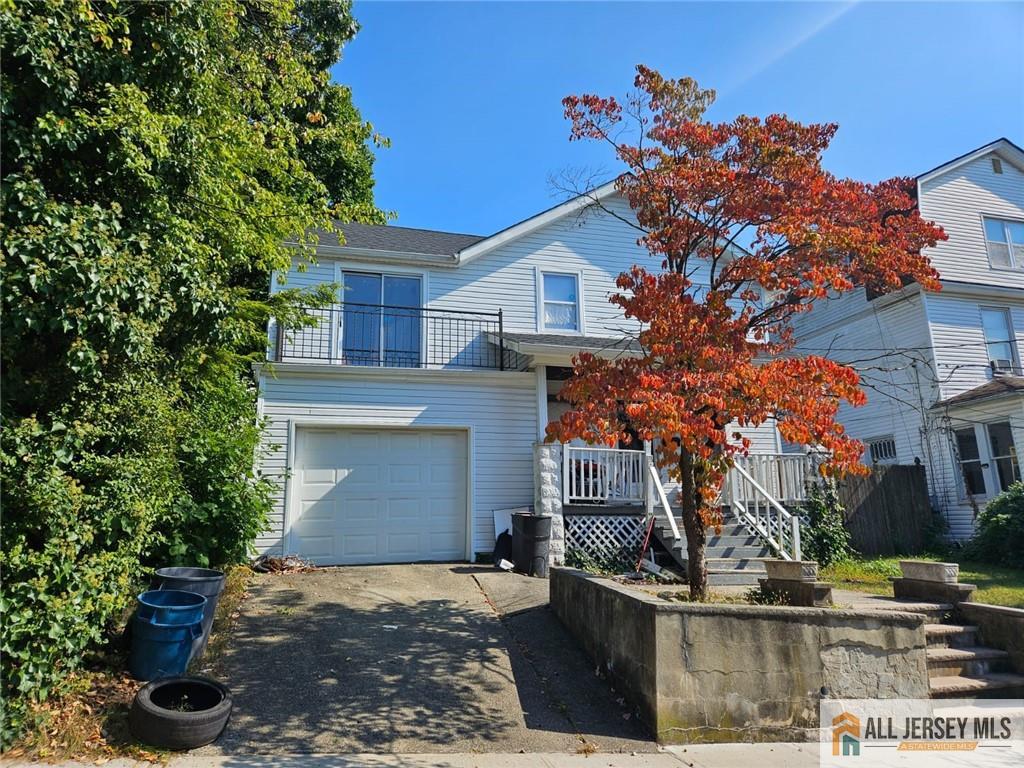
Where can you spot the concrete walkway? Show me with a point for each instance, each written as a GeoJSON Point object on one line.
{"type": "Point", "coordinates": [694, 756]}
{"type": "Point", "coordinates": [411, 659]}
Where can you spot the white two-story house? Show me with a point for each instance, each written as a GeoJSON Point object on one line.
{"type": "Point", "coordinates": [416, 407]}
{"type": "Point", "coordinates": [943, 370]}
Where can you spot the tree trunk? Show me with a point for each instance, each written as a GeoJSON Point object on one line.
{"type": "Point", "coordinates": [693, 526]}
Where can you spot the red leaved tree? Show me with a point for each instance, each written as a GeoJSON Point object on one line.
{"type": "Point", "coordinates": [749, 230]}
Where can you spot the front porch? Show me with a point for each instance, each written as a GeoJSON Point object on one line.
{"type": "Point", "coordinates": [601, 501]}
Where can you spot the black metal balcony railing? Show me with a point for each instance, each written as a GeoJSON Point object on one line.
{"type": "Point", "coordinates": [380, 335]}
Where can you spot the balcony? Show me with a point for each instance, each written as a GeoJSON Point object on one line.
{"type": "Point", "coordinates": [384, 336]}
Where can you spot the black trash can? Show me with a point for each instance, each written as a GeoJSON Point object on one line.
{"type": "Point", "coordinates": [531, 541]}
{"type": "Point", "coordinates": [201, 581]}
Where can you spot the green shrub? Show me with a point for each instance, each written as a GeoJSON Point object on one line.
{"type": "Point", "coordinates": [222, 506]}
{"type": "Point", "coordinates": [999, 535]}
{"type": "Point", "coordinates": [80, 501]}
{"type": "Point", "coordinates": [825, 539]}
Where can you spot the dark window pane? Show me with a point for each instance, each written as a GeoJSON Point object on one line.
{"type": "Point", "coordinates": [967, 444]}
{"type": "Point", "coordinates": [1009, 472]}
{"type": "Point", "coordinates": [974, 477]}
{"type": "Point", "coordinates": [402, 327]}
{"type": "Point", "coordinates": [1001, 438]}
{"type": "Point", "coordinates": [360, 288]}
{"type": "Point", "coordinates": [361, 335]}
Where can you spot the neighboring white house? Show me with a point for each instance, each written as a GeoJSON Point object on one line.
{"type": "Point", "coordinates": [943, 370]}
{"type": "Point", "coordinates": [413, 410]}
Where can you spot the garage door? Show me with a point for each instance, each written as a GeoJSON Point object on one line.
{"type": "Point", "coordinates": [379, 496]}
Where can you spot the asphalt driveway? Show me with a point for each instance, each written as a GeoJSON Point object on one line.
{"type": "Point", "coordinates": [413, 658]}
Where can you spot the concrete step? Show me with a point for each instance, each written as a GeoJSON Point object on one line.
{"type": "Point", "coordinates": [951, 635]}
{"type": "Point", "coordinates": [993, 685]}
{"type": "Point", "coordinates": [975, 661]}
{"type": "Point", "coordinates": [734, 578]}
{"type": "Point", "coordinates": [738, 552]}
{"type": "Point", "coordinates": [736, 564]}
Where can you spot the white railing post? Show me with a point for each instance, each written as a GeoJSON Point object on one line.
{"type": "Point", "coordinates": [566, 474]}
{"type": "Point", "coordinates": [795, 522]}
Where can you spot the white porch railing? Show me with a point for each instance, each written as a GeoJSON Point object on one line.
{"type": "Point", "coordinates": [603, 475]}
{"type": "Point", "coordinates": [656, 495]}
{"type": "Point", "coordinates": [757, 508]}
{"type": "Point", "coordinates": [785, 476]}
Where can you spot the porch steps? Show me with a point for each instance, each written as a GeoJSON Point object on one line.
{"type": "Point", "coordinates": [958, 666]}
{"type": "Point", "coordinates": [734, 557]}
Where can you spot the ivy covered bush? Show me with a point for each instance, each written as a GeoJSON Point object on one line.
{"type": "Point", "coordinates": [155, 159]}
{"type": "Point", "coordinates": [999, 533]}
{"type": "Point", "coordinates": [825, 539]}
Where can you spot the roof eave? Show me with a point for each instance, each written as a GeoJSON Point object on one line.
{"type": "Point", "coordinates": [1002, 146]}
{"type": "Point", "coordinates": [535, 222]}
{"type": "Point", "coordinates": [377, 254]}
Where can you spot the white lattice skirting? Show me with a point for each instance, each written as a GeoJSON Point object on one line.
{"type": "Point", "coordinates": [601, 536]}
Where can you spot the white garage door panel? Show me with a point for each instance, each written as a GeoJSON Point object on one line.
{"type": "Point", "coordinates": [380, 496]}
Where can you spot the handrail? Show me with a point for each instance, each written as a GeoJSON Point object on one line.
{"type": "Point", "coordinates": [764, 529]}
{"type": "Point", "coordinates": [662, 498]}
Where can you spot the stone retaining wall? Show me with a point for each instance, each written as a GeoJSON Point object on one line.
{"type": "Point", "coordinates": [723, 673]}
{"type": "Point", "coordinates": [998, 626]}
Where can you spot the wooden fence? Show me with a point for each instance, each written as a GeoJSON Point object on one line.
{"type": "Point", "coordinates": [888, 511]}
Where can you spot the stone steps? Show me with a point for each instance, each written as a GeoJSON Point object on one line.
{"type": "Point", "coordinates": [950, 635]}
{"type": "Point", "coordinates": [992, 685]}
{"type": "Point", "coordinates": [967, 662]}
{"type": "Point", "coordinates": [958, 666]}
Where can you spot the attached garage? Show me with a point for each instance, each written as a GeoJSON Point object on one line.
{"type": "Point", "coordinates": [379, 495]}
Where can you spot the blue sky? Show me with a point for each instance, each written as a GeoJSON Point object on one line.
{"type": "Point", "coordinates": [469, 93]}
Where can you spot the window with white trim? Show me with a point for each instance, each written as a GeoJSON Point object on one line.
{"type": "Point", "coordinates": [560, 301]}
{"type": "Point", "coordinates": [882, 450]}
{"type": "Point", "coordinates": [1004, 240]}
{"type": "Point", "coordinates": [999, 339]}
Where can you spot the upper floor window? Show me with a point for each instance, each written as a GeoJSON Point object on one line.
{"type": "Point", "coordinates": [999, 340]}
{"type": "Point", "coordinates": [560, 302]}
{"type": "Point", "coordinates": [1005, 243]}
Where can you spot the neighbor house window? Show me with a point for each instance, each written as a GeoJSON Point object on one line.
{"type": "Point", "coordinates": [1004, 454]}
{"type": "Point", "coordinates": [999, 340]}
{"type": "Point", "coordinates": [560, 301]}
{"type": "Point", "coordinates": [1005, 242]}
{"type": "Point", "coordinates": [380, 321]}
{"type": "Point", "coordinates": [882, 450]}
{"type": "Point", "coordinates": [970, 461]}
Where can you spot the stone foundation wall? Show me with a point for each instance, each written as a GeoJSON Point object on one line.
{"type": "Point", "coordinates": [710, 673]}
{"type": "Point", "coordinates": [547, 492]}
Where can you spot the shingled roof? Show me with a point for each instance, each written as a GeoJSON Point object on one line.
{"type": "Point", "coordinates": [999, 386]}
{"type": "Point", "coordinates": [374, 237]}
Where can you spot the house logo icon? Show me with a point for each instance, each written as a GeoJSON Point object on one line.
{"type": "Point", "coordinates": [846, 735]}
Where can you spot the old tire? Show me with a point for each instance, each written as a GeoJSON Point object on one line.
{"type": "Point", "coordinates": [158, 717]}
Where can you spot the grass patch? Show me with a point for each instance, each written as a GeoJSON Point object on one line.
{"type": "Point", "coordinates": [997, 585]}
{"type": "Point", "coordinates": [88, 719]}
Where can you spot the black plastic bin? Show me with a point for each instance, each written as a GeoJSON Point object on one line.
{"type": "Point", "coordinates": [201, 581]}
{"type": "Point", "coordinates": [531, 541]}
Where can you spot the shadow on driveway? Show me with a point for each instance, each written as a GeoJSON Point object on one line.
{"type": "Point", "coordinates": [407, 658]}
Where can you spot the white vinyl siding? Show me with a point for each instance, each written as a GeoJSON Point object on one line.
{"type": "Point", "coordinates": [499, 410]}
{"type": "Point", "coordinates": [961, 352]}
{"type": "Point", "coordinates": [959, 201]}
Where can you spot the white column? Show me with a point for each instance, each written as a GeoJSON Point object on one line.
{"type": "Point", "coordinates": [541, 372]}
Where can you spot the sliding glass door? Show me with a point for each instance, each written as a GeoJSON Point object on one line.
{"type": "Point", "coordinates": [381, 320]}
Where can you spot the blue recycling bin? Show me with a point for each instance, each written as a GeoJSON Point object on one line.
{"type": "Point", "coordinates": [171, 606]}
{"type": "Point", "coordinates": [161, 650]}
